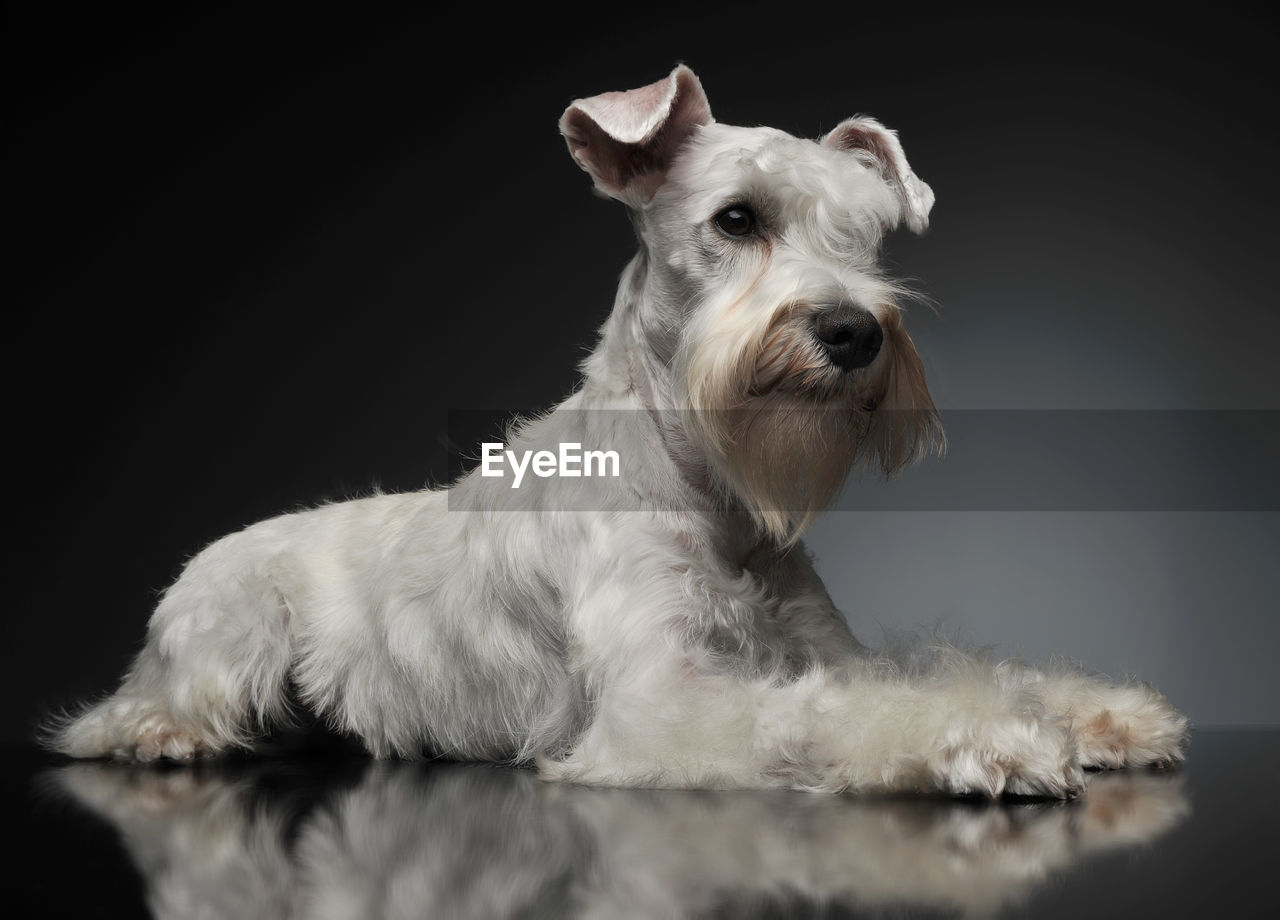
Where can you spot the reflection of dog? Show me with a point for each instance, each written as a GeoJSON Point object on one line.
{"type": "Point", "coordinates": [467, 841]}
{"type": "Point", "coordinates": [670, 631]}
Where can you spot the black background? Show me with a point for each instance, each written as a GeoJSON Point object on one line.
{"type": "Point", "coordinates": [253, 261]}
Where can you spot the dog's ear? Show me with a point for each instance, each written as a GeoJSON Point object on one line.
{"type": "Point", "coordinates": [626, 140]}
{"type": "Point", "coordinates": [867, 134]}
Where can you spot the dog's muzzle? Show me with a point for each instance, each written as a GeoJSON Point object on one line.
{"type": "Point", "coordinates": [849, 335]}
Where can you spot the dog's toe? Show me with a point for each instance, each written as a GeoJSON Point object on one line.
{"type": "Point", "coordinates": [1018, 755]}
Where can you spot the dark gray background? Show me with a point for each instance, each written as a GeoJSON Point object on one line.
{"type": "Point", "coordinates": [257, 261]}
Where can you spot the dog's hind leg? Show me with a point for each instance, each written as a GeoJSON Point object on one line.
{"type": "Point", "coordinates": [214, 667]}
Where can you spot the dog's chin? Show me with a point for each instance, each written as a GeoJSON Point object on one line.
{"type": "Point", "coordinates": [783, 456]}
{"type": "Point", "coordinates": [787, 450]}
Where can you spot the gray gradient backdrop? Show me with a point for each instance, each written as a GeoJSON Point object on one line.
{"type": "Point", "coordinates": [260, 262]}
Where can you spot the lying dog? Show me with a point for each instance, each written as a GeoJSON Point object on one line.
{"type": "Point", "coordinates": [661, 627]}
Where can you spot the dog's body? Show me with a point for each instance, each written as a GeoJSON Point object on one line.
{"type": "Point", "coordinates": [665, 628]}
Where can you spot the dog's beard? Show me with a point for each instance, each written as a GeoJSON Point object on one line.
{"type": "Point", "coordinates": [794, 428]}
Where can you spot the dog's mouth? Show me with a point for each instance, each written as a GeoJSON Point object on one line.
{"type": "Point", "coordinates": [808, 373]}
{"type": "Point", "coordinates": [834, 356]}
{"type": "Point", "coordinates": [835, 390]}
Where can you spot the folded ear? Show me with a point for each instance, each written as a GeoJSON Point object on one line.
{"type": "Point", "coordinates": [867, 134]}
{"type": "Point", "coordinates": [626, 140]}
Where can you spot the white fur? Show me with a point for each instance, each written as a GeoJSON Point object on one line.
{"type": "Point", "coordinates": [666, 628]}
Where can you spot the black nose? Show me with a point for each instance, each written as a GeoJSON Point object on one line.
{"type": "Point", "coordinates": [850, 336]}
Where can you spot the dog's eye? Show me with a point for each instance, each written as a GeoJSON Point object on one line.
{"type": "Point", "coordinates": [736, 221]}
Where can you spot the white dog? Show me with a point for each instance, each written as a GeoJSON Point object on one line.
{"type": "Point", "coordinates": [663, 627]}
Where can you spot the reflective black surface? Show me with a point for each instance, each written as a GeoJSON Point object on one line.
{"type": "Point", "coordinates": [332, 835]}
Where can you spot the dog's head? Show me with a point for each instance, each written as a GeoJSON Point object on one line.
{"type": "Point", "coordinates": [762, 294]}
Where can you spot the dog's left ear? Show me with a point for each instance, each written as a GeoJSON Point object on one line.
{"type": "Point", "coordinates": [869, 135]}
{"type": "Point", "coordinates": [626, 140]}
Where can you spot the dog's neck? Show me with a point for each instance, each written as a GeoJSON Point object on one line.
{"type": "Point", "coordinates": [623, 351]}
{"type": "Point", "coordinates": [627, 371]}
{"type": "Point", "coordinates": [631, 370]}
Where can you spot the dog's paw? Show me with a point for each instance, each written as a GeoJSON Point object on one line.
{"type": "Point", "coordinates": [126, 729]}
{"type": "Point", "coordinates": [168, 744]}
{"type": "Point", "coordinates": [1132, 726]}
{"type": "Point", "coordinates": [157, 736]}
{"type": "Point", "coordinates": [1021, 756]}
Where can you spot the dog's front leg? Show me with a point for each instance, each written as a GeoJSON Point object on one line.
{"type": "Point", "coordinates": [671, 712]}
{"type": "Point", "coordinates": [681, 726]}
